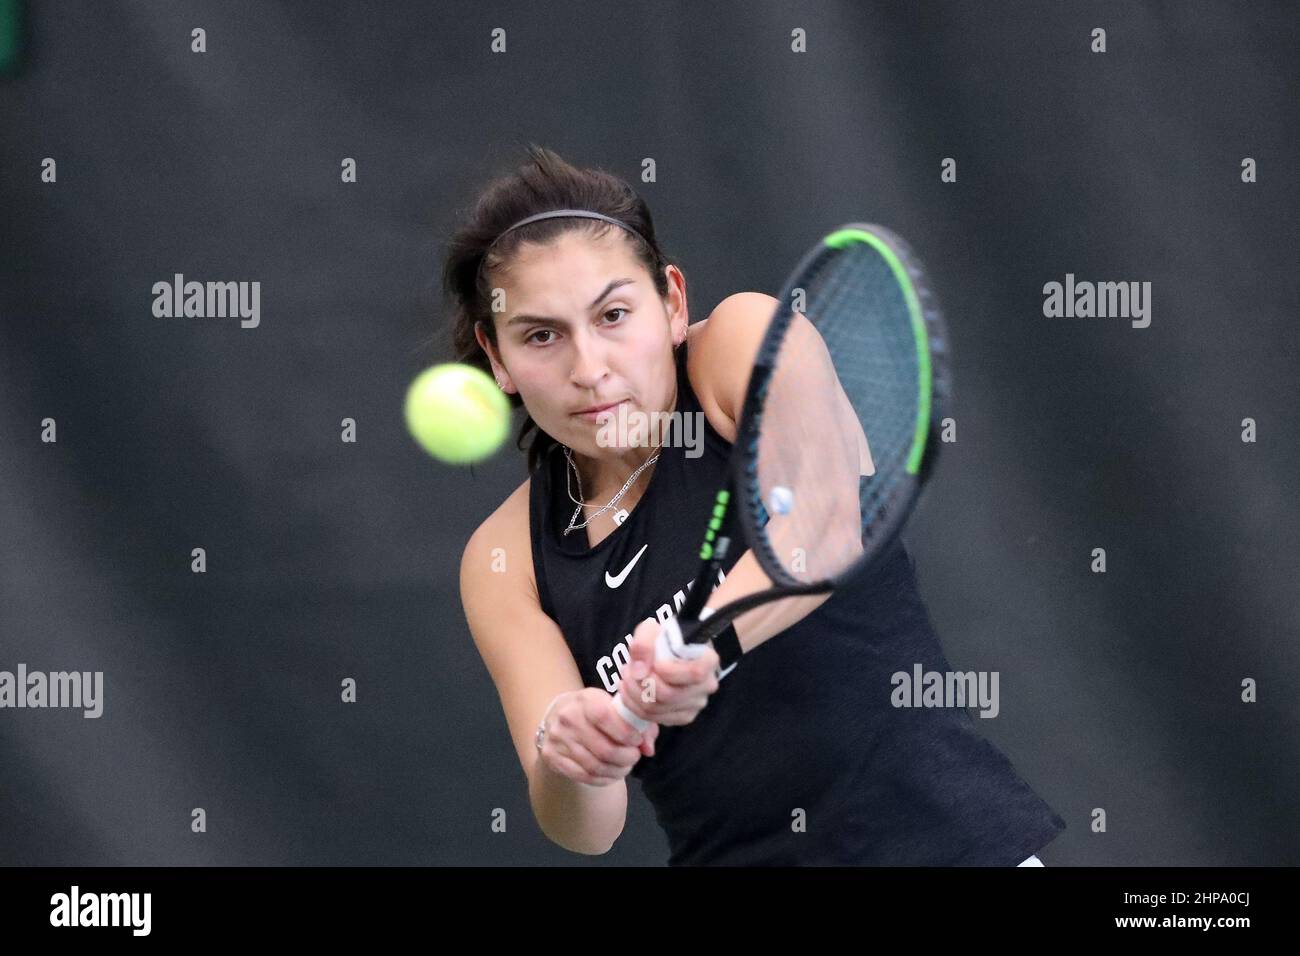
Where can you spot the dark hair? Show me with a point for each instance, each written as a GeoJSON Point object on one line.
{"type": "Point", "coordinates": [543, 183]}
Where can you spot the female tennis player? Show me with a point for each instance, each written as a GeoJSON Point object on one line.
{"type": "Point", "coordinates": [781, 744]}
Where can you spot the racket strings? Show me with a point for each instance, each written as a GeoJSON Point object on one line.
{"type": "Point", "coordinates": [842, 397]}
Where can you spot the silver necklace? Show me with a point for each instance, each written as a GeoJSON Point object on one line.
{"type": "Point", "coordinates": [621, 516]}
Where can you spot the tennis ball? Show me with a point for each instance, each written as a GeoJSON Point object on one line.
{"type": "Point", "coordinates": [457, 413]}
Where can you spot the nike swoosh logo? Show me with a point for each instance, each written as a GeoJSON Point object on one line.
{"type": "Point", "coordinates": [727, 670]}
{"type": "Point", "coordinates": [615, 580]}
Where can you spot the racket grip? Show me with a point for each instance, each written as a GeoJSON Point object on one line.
{"type": "Point", "coordinates": [626, 714]}
{"type": "Point", "coordinates": [670, 646]}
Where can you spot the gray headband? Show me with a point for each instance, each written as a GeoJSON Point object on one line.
{"type": "Point", "coordinates": [557, 214]}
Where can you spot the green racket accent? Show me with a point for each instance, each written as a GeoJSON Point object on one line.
{"type": "Point", "coordinates": [715, 522]}
{"type": "Point", "coordinates": [843, 237]}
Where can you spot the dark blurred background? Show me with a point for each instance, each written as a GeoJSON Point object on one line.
{"type": "Point", "coordinates": [327, 560]}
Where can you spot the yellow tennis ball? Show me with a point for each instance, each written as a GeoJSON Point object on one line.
{"type": "Point", "coordinates": [457, 413]}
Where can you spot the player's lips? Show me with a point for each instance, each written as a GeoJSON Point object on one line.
{"type": "Point", "coordinates": [595, 411]}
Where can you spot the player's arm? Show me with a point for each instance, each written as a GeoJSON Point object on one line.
{"type": "Point", "coordinates": [721, 359]}
{"type": "Point", "coordinates": [530, 664]}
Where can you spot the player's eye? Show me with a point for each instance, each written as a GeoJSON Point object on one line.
{"type": "Point", "coordinates": [534, 340]}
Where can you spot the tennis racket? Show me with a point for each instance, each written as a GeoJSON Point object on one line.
{"type": "Point", "coordinates": [838, 433]}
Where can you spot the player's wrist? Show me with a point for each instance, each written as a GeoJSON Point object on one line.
{"type": "Point", "coordinates": [539, 738]}
{"type": "Point", "coordinates": [726, 643]}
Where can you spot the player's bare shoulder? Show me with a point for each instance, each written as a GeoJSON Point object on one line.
{"type": "Point", "coordinates": [722, 352]}
{"type": "Point", "coordinates": [498, 557]}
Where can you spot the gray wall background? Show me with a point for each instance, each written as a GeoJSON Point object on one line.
{"type": "Point", "coordinates": [329, 560]}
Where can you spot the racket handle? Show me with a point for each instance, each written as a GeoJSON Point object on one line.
{"type": "Point", "coordinates": [626, 714]}
{"type": "Point", "coordinates": [670, 646]}
{"type": "Point", "coordinates": [673, 645]}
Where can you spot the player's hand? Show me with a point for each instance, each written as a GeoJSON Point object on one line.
{"type": "Point", "coordinates": [586, 739]}
{"type": "Point", "coordinates": [670, 692]}
{"type": "Point", "coordinates": [648, 738]}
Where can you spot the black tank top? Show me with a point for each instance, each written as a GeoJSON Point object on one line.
{"type": "Point", "coordinates": [799, 758]}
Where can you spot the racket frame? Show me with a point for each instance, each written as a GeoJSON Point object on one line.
{"type": "Point", "coordinates": [934, 383]}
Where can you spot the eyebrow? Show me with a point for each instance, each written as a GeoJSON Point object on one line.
{"type": "Point", "coordinates": [520, 319]}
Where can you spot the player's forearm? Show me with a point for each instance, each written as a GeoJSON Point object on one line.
{"type": "Point", "coordinates": [802, 549]}
{"type": "Point", "coordinates": [767, 620]}
{"type": "Point", "coordinates": [579, 817]}
{"type": "Point", "coordinates": [808, 551]}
